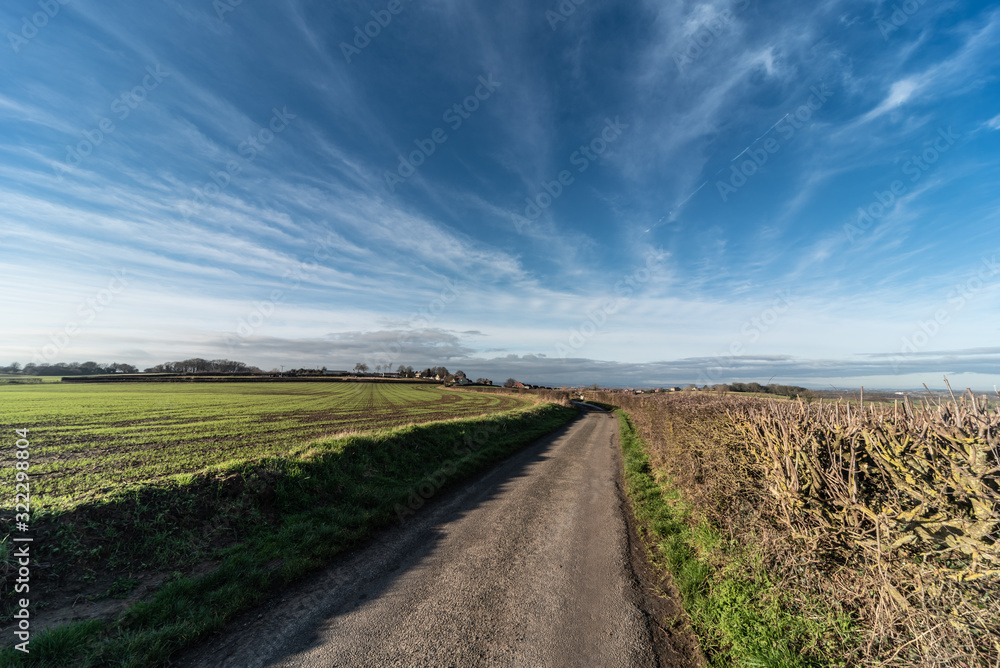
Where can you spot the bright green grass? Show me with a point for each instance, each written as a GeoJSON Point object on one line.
{"type": "Point", "coordinates": [90, 439]}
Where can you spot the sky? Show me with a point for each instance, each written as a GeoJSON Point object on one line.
{"type": "Point", "coordinates": [638, 193]}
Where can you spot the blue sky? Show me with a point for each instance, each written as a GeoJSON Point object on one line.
{"type": "Point", "coordinates": [639, 193]}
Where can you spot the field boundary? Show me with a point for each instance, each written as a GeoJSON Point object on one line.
{"type": "Point", "coordinates": [216, 378]}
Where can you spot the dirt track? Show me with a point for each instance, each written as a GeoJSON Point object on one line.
{"type": "Point", "coordinates": [530, 564]}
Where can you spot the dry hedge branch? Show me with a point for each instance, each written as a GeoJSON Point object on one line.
{"type": "Point", "coordinates": [903, 498]}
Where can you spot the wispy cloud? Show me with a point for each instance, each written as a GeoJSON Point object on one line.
{"type": "Point", "coordinates": [214, 212]}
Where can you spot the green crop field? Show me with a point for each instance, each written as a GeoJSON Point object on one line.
{"type": "Point", "coordinates": [91, 438]}
{"type": "Point", "coordinates": [159, 511]}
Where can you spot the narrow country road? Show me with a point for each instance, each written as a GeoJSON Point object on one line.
{"type": "Point", "coordinates": [527, 565]}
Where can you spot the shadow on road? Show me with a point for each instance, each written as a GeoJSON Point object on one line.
{"type": "Point", "coordinates": [290, 625]}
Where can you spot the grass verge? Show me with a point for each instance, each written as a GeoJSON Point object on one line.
{"type": "Point", "coordinates": [739, 616]}
{"type": "Point", "coordinates": [307, 509]}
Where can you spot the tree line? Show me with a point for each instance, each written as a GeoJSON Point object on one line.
{"type": "Point", "coordinates": [67, 369]}
{"type": "Point", "coordinates": [198, 365]}
{"type": "Point", "coordinates": [195, 365]}
{"type": "Point", "coordinates": [793, 391]}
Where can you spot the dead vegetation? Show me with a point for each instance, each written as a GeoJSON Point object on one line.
{"type": "Point", "coordinates": [888, 512]}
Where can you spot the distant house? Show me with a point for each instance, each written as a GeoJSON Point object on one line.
{"type": "Point", "coordinates": [462, 380]}
{"type": "Point", "coordinates": [521, 386]}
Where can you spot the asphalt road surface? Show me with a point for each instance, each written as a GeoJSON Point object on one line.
{"type": "Point", "coordinates": [527, 565]}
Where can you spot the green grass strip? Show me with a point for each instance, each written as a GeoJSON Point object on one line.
{"type": "Point", "coordinates": [739, 616]}
{"type": "Point", "coordinates": [329, 499]}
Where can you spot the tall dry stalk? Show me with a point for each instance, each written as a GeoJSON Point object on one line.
{"type": "Point", "coordinates": [892, 510]}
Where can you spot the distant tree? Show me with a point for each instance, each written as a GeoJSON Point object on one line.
{"type": "Point", "coordinates": [361, 368]}
{"type": "Point", "coordinates": [510, 382]}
